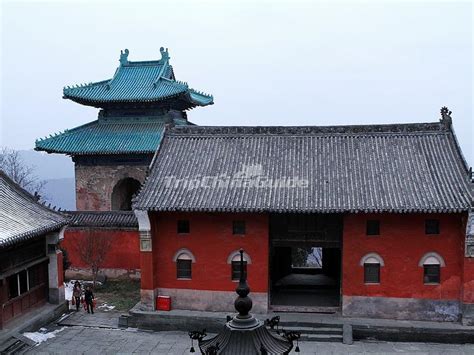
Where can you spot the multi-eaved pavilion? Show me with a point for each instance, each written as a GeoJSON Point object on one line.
{"type": "Point", "coordinates": [111, 154]}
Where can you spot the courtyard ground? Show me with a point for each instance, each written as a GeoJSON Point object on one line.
{"type": "Point", "coordinates": [82, 333]}
{"type": "Point", "coordinates": [112, 295]}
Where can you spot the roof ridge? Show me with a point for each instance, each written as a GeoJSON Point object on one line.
{"type": "Point", "coordinates": [402, 128]}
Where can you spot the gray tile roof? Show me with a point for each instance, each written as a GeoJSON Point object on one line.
{"type": "Point", "coordinates": [377, 168]}
{"type": "Point", "coordinates": [103, 219]}
{"type": "Point", "coordinates": [21, 216]}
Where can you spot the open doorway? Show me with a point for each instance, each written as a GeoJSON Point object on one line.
{"type": "Point", "coordinates": [305, 262]}
{"type": "Point", "coordinates": [306, 276]}
{"type": "Point", "coordinates": [123, 193]}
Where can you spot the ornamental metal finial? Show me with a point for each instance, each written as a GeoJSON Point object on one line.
{"type": "Point", "coordinates": [124, 57]}
{"type": "Point", "coordinates": [446, 116]}
{"type": "Point", "coordinates": [243, 303]}
{"type": "Point", "coordinates": [164, 54]}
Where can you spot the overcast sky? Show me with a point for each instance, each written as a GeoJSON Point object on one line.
{"type": "Point", "coordinates": [266, 63]}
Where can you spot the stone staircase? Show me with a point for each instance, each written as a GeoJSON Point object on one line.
{"type": "Point", "coordinates": [320, 332]}
{"type": "Point", "coordinates": [16, 344]}
{"type": "Point", "coordinates": [316, 332]}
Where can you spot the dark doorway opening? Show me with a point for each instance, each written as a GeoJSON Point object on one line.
{"type": "Point", "coordinates": [123, 193]}
{"type": "Point", "coordinates": [305, 262]}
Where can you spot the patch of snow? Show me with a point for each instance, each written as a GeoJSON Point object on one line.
{"type": "Point", "coordinates": [42, 335]}
{"type": "Point", "coordinates": [105, 307]}
{"type": "Point", "coordinates": [63, 317]}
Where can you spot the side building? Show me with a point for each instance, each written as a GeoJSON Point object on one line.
{"type": "Point", "coordinates": [371, 221]}
{"type": "Point", "coordinates": [31, 265]}
{"type": "Point", "coordinates": [111, 155]}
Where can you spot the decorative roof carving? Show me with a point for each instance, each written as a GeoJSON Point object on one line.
{"type": "Point", "coordinates": [446, 116]}
{"type": "Point", "coordinates": [124, 57]}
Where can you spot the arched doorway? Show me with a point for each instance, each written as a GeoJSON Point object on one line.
{"type": "Point", "coordinates": [122, 194]}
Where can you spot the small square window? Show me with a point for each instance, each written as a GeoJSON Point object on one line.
{"type": "Point", "coordinates": [236, 270]}
{"type": "Point", "coordinates": [183, 226]}
{"type": "Point", "coordinates": [373, 227]}
{"type": "Point", "coordinates": [238, 227]}
{"type": "Point", "coordinates": [372, 273]}
{"type": "Point", "coordinates": [432, 226]}
{"type": "Point", "coordinates": [431, 274]}
{"type": "Point", "coordinates": [183, 269]}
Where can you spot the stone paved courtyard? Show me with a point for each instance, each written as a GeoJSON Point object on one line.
{"type": "Point", "coordinates": [91, 340]}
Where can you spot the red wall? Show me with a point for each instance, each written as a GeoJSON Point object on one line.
{"type": "Point", "coordinates": [211, 241]}
{"type": "Point", "coordinates": [468, 281]}
{"type": "Point", "coordinates": [124, 252]}
{"type": "Point", "coordinates": [401, 244]}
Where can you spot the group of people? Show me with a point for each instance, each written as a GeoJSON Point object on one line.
{"type": "Point", "coordinates": [87, 300]}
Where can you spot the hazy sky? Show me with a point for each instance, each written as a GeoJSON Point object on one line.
{"type": "Point", "coordinates": [266, 63]}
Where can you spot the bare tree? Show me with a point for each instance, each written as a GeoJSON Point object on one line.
{"type": "Point", "coordinates": [93, 249]}
{"type": "Point", "coordinates": [12, 164]}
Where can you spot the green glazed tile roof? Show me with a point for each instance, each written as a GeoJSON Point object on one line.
{"type": "Point", "coordinates": [108, 136]}
{"type": "Point", "coordinates": [146, 81]}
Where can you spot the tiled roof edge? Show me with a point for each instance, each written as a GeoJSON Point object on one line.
{"type": "Point", "coordinates": [31, 234]}
{"type": "Point", "coordinates": [404, 128]}
{"type": "Point", "coordinates": [306, 211]}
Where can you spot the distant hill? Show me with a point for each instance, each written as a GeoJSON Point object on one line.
{"type": "Point", "coordinates": [49, 166]}
{"type": "Point", "coordinates": [58, 172]}
{"type": "Point", "coordinates": [61, 193]}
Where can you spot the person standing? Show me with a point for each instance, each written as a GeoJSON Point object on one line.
{"type": "Point", "coordinates": [89, 297]}
{"type": "Point", "coordinates": [76, 293]}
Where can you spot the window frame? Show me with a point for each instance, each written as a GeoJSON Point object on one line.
{"type": "Point", "coordinates": [238, 226]}
{"type": "Point", "coordinates": [426, 275]}
{"type": "Point", "coordinates": [180, 223]}
{"type": "Point", "coordinates": [432, 223]}
{"type": "Point", "coordinates": [367, 281]}
{"type": "Point", "coordinates": [370, 225]}
{"type": "Point", "coordinates": [179, 268]}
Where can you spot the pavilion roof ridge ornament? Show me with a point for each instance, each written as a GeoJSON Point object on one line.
{"type": "Point", "coordinates": [164, 61]}
{"type": "Point", "coordinates": [446, 116]}
{"type": "Point", "coordinates": [165, 57]}
{"type": "Point", "coordinates": [124, 57]}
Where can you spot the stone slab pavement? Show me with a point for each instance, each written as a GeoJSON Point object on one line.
{"type": "Point", "coordinates": [91, 340]}
{"type": "Point", "coordinates": [99, 319]}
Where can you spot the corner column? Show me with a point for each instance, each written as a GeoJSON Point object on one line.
{"type": "Point", "coordinates": [148, 291]}
{"type": "Point", "coordinates": [467, 297]}
{"type": "Point", "coordinates": [55, 267]}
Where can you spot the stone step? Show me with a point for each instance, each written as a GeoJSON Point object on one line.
{"type": "Point", "coordinates": [321, 337]}
{"type": "Point", "coordinates": [286, 324]}
{"type": "Point", "coordinates": [314, 330]}
{"type": "Point", "coordinates": [14, 346]}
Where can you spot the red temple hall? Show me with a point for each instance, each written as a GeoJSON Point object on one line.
{"type": "Point", "coordinates": [370, 221]}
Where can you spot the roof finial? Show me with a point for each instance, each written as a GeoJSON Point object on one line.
{"type": "Point", "coordinates": [164, 54]}
{"type": "Point", "coordinates": [446, 116]}
{"type": "Point", "coordinates": [124, 57]}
